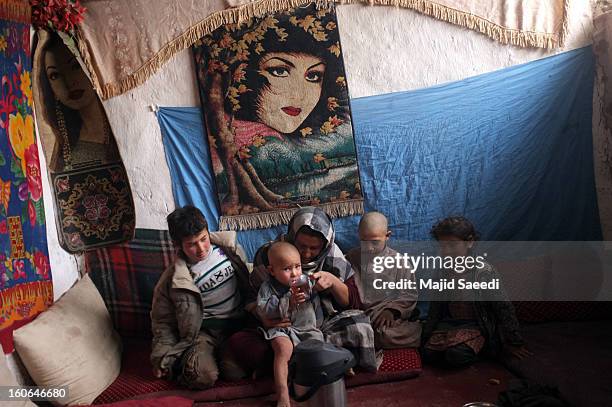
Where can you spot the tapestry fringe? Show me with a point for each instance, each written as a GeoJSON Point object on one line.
{"type": "Point", "coordinates": [194, 33]}
{"type": "Point", "coordinates": [15, 10]}
{"type": "Point", "coordinates": [282, 217]}
{"type": "Point", "coordinates": [490, 29]}
{"type": "Point", "coordinates": [85, 56]}
{"type": "Point", "coordinates": [563, 34]}
{"type": "Point", "coordinates": [263, 7]}
{"type": "Point", "coordinates": [25, 300]}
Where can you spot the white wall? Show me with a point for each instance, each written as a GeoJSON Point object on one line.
{"type": "Point", "coordinates": [386, 49]}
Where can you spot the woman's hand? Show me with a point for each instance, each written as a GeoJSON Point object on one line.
{"type": "Point", "coordinates": [327, 281]}
{"type": "Point", "coordinates": [384, 319]}
{"type": "Point", "coordinates": [324, 280]}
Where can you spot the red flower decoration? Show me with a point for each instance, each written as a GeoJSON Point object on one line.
{"type": "Point", "coordinates": [33, 172]}
{"type": "Point", "coordinates": [62, 185]}
{"type": "Point", "coordinates": [41, 262]}
{"type": "Point", "coordinates": [32, 213]}
{"type": "Point", "coordinates": [18, 269]}
{"type": "Point", "coordinates": [61, 15]}
{"type": "Point", "coordinates": [7, 99]}
{"type": "Point", "coordinates": [96, 208]}
{"type": "Point", "coordinates": [25, 40]}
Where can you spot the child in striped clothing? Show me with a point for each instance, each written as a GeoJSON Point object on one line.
{"type": "Point", "coordinates": [198, 303]}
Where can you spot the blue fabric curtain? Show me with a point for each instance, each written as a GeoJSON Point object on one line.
{"type": "Point", "coordinates": [510, 149]}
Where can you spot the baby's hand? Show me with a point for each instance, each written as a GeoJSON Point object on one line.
{"type": "Point", "coordinates": [297, 298]}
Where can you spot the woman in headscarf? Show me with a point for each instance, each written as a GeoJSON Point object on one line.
{"type": "Point", "coordinates": [312, 232]}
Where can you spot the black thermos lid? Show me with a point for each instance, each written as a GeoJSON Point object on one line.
{"type": "Point", "coordinates": [311, 358]}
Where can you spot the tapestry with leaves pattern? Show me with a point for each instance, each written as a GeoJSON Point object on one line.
{"type": "Point", "coordinates": [276, 108]}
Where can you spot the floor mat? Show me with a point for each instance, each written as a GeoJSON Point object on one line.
{"type": "Point", "coordinates": [136, 379]}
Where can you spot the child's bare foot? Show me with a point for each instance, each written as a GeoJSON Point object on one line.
{"type": "Point", "coordinates": [283, 401]}
{"type": "Point", "coordinates": [350, 372]}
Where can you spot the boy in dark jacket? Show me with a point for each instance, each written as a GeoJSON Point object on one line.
{"type": "Point", "coordinates": [198, 303]}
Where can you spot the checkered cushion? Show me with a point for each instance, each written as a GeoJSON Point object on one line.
{"type": "Point", "coordinates": [126, 275]}
{"type": "Point", "coordinates": [137, 380]}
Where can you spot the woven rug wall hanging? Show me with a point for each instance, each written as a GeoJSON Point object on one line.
{"type": "Point", "coordinates": [93, 200]}
{"type": "Point", "coordinates": [94, 207]}
{"type": "Point", "coordinates": [276, 110]}
{"type": "Point", "coordinates": [26, 288]}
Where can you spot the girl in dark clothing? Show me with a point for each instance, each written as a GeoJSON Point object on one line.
{"type": "Point", "coordinates": [466, 323]}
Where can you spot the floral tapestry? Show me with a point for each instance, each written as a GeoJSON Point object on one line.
{"type": "Point", "coordinates": [25, 275]}
{"type": "Point", "coordinates": [94, 207]}
{"type": "Point", "coordinates": [92, 195]}
{"type": "Point", "coordinates": [276, 108]}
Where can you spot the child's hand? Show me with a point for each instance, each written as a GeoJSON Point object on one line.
{"type": "Point", "coordinates": [297, 299]}
{"type": "Point", "coordinates": [383, 320]}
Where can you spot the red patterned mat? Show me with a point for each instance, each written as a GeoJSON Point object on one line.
{"type": "Point", "coordinates": [137, 381]}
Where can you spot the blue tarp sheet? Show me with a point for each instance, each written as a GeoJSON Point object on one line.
{"type": "Point", "coordinates": [511, 150]}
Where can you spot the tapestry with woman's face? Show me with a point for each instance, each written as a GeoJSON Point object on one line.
{"type": "Point", "coordinates": [93, 199]}
{"type": "Point", "coordinates": [276, 108]}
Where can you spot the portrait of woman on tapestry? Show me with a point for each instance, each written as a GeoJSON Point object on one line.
{"type": "Point", "coordinates": [92, 195]}
{"type": "Point", "coordinates": [276, 108]}
{"type": "Point", "coordinates": [81, 134]}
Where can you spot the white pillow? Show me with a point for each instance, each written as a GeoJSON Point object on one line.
{"type": "Point", "coordinates": [72, 343]}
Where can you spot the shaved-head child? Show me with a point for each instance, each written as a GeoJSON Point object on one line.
{"type": "Point", "coordinates": [391, 316]}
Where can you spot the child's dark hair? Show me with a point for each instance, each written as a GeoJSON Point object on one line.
{"type": "Point", "coordinates": [457, 226]}
{"type": "Point", "coordinates": [185, 222]}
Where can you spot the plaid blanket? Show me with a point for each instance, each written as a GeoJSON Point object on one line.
{"type": "Point", "coordinates": [126, 275]}
{"type": "Point", "coordinates": [351, 329]}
